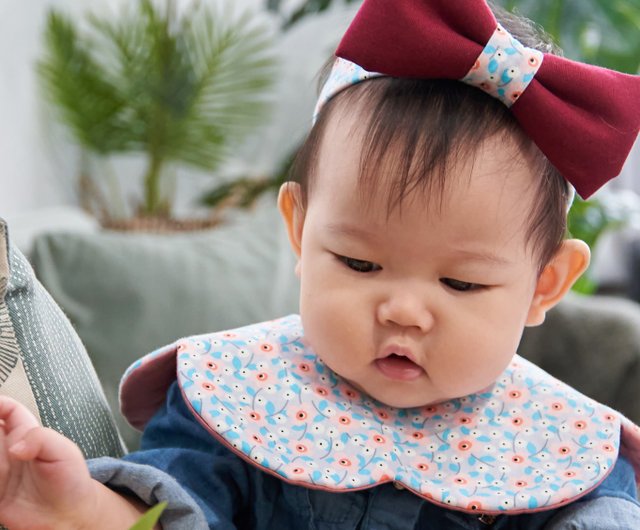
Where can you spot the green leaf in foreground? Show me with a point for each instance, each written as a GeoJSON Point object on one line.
{"type": "Point", "coordinates": [149, 519]}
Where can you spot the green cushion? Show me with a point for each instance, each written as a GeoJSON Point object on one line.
{"type": "Point", "coordinates": [36, 334]}
{"type": "Point", "coordinates": [129, 293]}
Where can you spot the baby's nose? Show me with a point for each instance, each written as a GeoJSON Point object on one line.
{"type": "Point", "coordinates": [406, 310]}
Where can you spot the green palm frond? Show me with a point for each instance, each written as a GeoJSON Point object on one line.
{"type": "Point", "coordinates": [182, 88]}
{"type": "Point", "coordinates": [87, 100]}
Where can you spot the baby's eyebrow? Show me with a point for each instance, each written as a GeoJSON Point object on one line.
{"type": "Point", "coordinates": [356, 232]}
{"type": "Point", "coordinates": [481, 255]}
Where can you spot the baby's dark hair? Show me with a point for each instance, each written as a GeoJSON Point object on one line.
{"type": "Point", "coordinates": [420, 127]}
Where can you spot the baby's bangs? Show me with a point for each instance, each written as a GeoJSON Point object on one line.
{"type": "Point", "coordinates": [415, 131]}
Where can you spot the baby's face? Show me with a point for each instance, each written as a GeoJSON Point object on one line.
{"type": "Point", "coordinates": [427, 304]}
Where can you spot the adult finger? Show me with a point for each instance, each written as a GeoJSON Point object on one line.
{"type": "Point", "coordinates": [14, 414]}
{"type": "Point", "coordinates": [44, 445]}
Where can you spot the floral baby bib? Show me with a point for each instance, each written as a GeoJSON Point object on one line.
{"type": "Point", "coordinates": [527, 443]}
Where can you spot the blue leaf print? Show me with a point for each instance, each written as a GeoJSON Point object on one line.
{"type": "Point", "coordinates": [236, 363]}
{"type": "Point", "coordinates": [533, 503]}
{"type": "Point", "coordinates": [527, 77]}
{"type": "Point", "coordinates": [531, 448]}
{"type": "Point", "coordinates": [490, 50]}
{"type": "Point", "coordinates": [490, 414]}
{"type": "Point", "coordinates": [511, 51]}
{"type": "Point", "coordinates": [493, 66]}
{"type": "Point", "coordinates": [270, 408]}
{"type": "Point", "coordinates": [197, 406]}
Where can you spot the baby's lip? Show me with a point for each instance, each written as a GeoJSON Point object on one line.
{"type": "Point", "coordinates": [397, 362]}
{"type": "Point", "coordinates": [395, 349]}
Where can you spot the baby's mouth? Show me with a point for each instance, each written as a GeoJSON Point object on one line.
{"type": "Point", "coordinates": [399, 367]}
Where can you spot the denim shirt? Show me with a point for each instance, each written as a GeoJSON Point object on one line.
{"type": "Point", "coordinates": [209, 486]}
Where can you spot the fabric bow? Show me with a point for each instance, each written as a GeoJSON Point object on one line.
{"type": "Point", "coordinates": [584, 118]}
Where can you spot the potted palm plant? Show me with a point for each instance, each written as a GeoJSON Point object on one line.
{"type": "Point", "coordinates": [179, 87]}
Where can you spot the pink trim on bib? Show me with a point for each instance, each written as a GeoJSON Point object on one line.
{"type": "Point", "coordinates": [527, 443]}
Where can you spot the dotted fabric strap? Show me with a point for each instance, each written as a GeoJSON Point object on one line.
{"type": "Point", "coordinates": [343, 74]}
{"type": "Point", "coordinates": [527, 443]}
{"type": "Point", "coordinates": [505, 68]}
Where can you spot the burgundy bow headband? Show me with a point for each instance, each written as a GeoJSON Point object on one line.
{"type": "Point", "coordinates": [584, 118]}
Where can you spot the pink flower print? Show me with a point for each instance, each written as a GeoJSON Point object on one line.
{"type": "Point", "coordinates": [517, 459]}
{"type": "Point", "coordinates": [460, 481]}
{"type": "Point", "coordinates": [211, 365]}
{"type": "Point", "coordinates": [514, 394]}
{"type": "Point", "coordinates": [301, 448]}
{"type": "Point", "coordinates": [262, 376]}
{"type": "Point", "coordinates": [254, 415]}
{"type": "Point", "coordinates": [464, 420]}
{"type": "Point", "coordinates": [208, 386]}
{"type": "Point", "coordinates": [515, 95]}
{"type": "Point", "coordinates": [464, 445]}
{"type": "Point", "coordinates": [609, 417]}
{"type": "Point", "coordinates": [301, 415]}
{"type": "Point", "coordinates": [476, 65]}
{"type": "Point", "coordinates": [181, 347]}
{"type": "Point", "coordinates": [322, 391]}
{"type": "Point", "coordinates": [569, 474]}
{"type": "Point", "coordinates": [533, 61]}
{"type": "Point", "coordinates": [304, 367]}
{"type": "Point", "coordinates": [382, 414]}
{"type": "Point", "coordinates": [608, 448]}
{"type": "Point", "coordinates": [417, 435]}
{"type": "Point", "coordinates": [344, 420]}
{"type": "Point", "coordinates": [557, 406]}
{"type": "Point", "coordinates": [351, 394]}
{"type": "Point", "coordinates": [229, 335]}
{"type": "Point", "coordinates": [422, 466]}
{"type": "Point", "coordinates": [256, 439]}
{"type": "Point", "coordinates": [517, 421]}
{"type": "Point", "coordinates": [564, 450]}
{"type": "Point", "coordinates": [344, 462]}
{"type": "Point", "coordinates": [520, 483]}
{"type": "Point", "coordinates": [581, 425]}
{"type": "Point", "coordinates": [474, 506]}
{"type": "Point", "coordinates": [379, 439]}
{"type": "Point", "coordinates": [266, 347]}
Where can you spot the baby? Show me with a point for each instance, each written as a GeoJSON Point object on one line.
{"type": "Point", "coordinates": [427, 209]}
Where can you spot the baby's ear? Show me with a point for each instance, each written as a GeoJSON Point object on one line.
{"type": "Point", "coordinates": [292, 211]}
{"type": "Point", "coordinates": [566, 266]}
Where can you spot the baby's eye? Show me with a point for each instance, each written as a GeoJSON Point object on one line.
{"type": "Point", "coordinates": [459, 285]}
{"type": "Point", "coordinates": [359, 265]}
